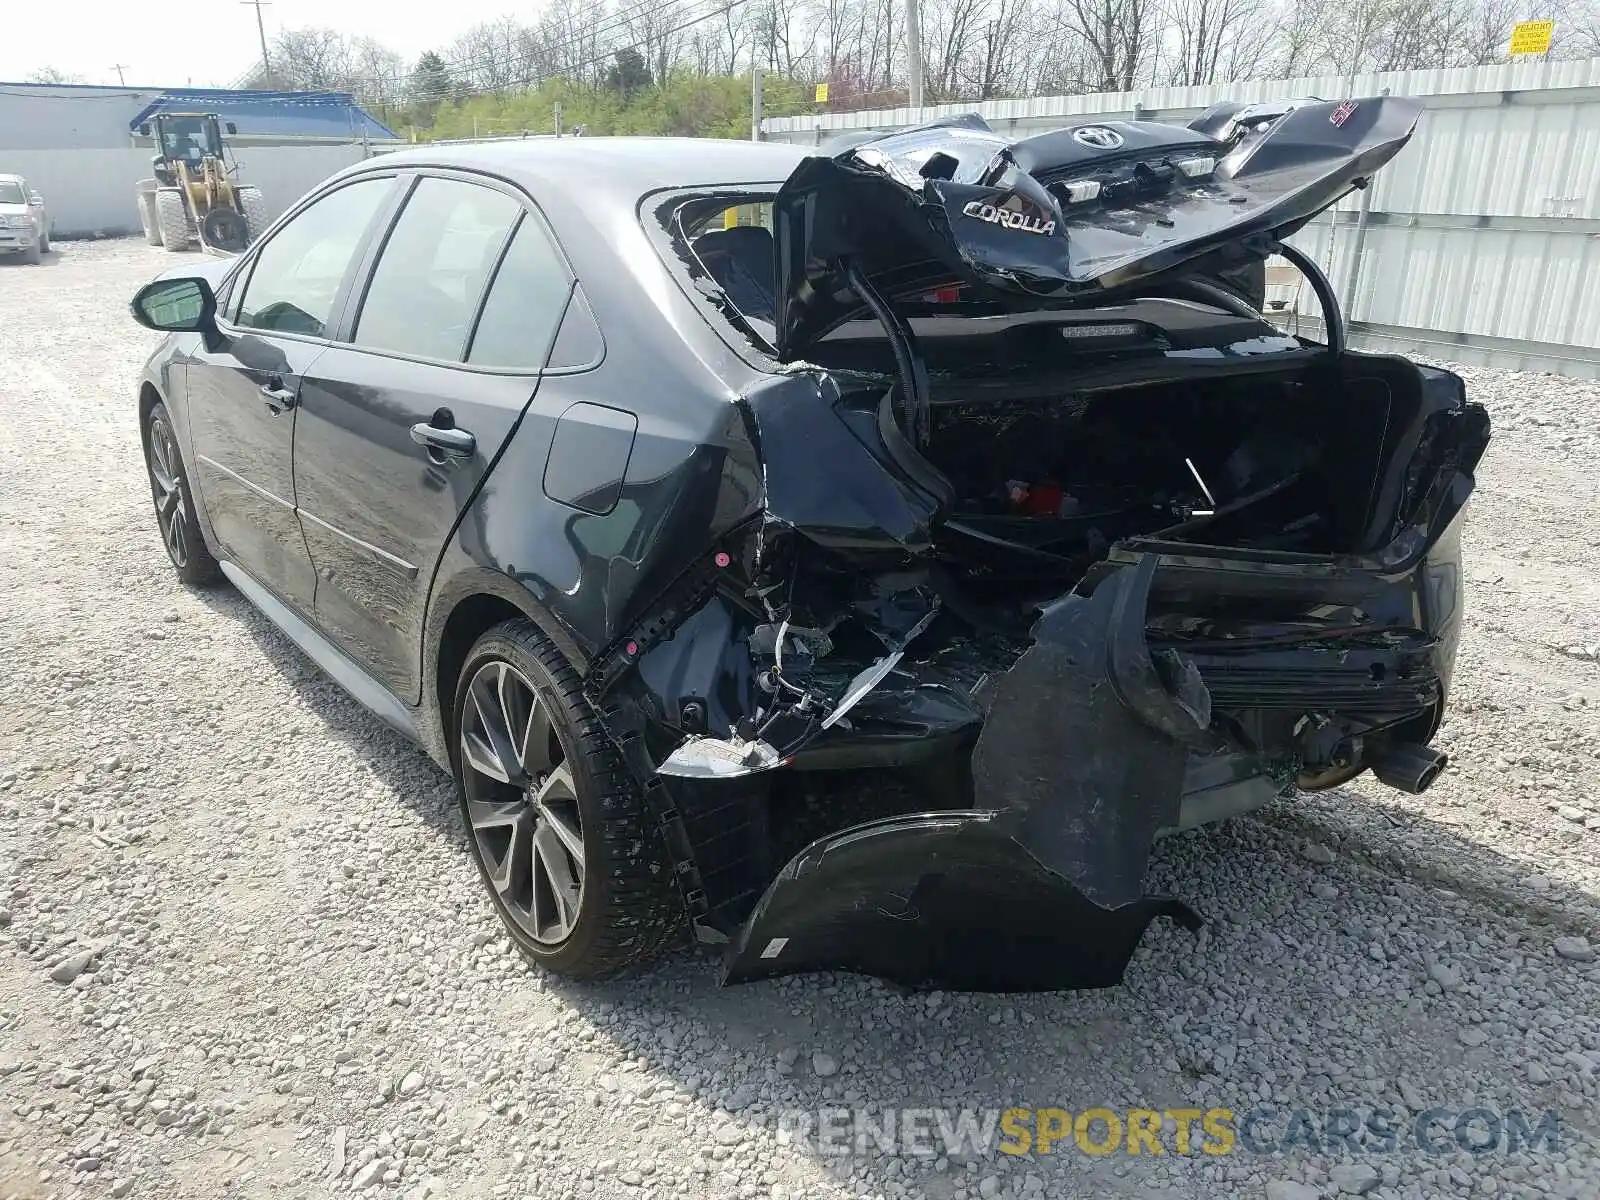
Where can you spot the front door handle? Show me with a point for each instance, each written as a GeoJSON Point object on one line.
{"type": "Point", "coordinates": [455, 443]}
{"type": "Point", "coordinates": [278, 397]}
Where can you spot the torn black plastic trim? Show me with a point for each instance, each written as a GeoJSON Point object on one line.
{"type": "Point", "coordinates": [1081, 760]}
{"type": "Point", "coordinates": [1085, 742]}
{"type": "Point", "coordinates": [948, 900]}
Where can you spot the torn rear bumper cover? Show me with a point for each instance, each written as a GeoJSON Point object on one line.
{"type": "Point", "coordinates": [1038, 888]}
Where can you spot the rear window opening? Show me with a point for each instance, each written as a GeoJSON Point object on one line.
{"type": "Point", "coordinates": [726, 242]}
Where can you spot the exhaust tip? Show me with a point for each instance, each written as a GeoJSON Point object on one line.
{"type": "Point", "coordinates": [1407, 766]}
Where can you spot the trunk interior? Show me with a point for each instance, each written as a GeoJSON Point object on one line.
{"type": "Point", "coordinates": [1043, 482]}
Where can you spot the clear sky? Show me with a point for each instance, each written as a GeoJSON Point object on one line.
{"type": "Point", "coordinates": [213, 42]}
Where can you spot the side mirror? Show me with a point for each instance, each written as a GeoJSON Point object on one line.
{"type": "Point", "coordinates": [144, 129]}
{"type": "Point", "coordinates": [176, 306]}
{"type": "Point", "coordinates": [232, 128]}
{"type": "Point", "coordinates": [35, 200]}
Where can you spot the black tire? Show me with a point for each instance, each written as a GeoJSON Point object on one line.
{"type": "Point", "coordinates": [172, 219]}
{"type": "Point", "coordinates": [174, 502]}
{"type": "Point", "coordinates": [627, 909]}
{"type": "Point", "coordinates": [253, 207]}
{"type": "Point", "coordinates": [44, 240]}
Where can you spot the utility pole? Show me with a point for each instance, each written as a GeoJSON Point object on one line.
{"type": "Point", "coordinates": [261, 28]}
{"type": "Point", "coordinates": [914, 50]}
{"type": "Point", "coordinates": [558, 118]}
{"type": "Point", "coordinates": [118, 68]}
{"type": "Point", "coordinates": [755, 104]}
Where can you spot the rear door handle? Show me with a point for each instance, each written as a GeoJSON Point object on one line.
{"type": "Point", "coordinates": [278, 397]}
{"type": "Point", "coordinates": [456, 443]}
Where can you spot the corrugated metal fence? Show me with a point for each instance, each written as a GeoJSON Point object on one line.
{"type": "Point", "coordinates": [1482, 243]}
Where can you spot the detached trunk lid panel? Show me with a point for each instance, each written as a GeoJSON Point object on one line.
{"type": "Point", "coordinates": [955, 200]}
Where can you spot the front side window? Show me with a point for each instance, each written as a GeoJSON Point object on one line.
{"type": "Point", "coordinates": [297, 274]}
{"type": "Point", "coordinates": [431, 275]}
{"type": "Point", "coordinates": [525, 304]}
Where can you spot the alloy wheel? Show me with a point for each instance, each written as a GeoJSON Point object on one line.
{"type": "Point", "coordinates": [521, 803]}
{"type": "Point", "coordinates": [166, 488]}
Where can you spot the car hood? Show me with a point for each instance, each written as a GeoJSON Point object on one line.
{"type": "Point", "coordinates": [1079, 216]}
{"type": "Point", "coordinates": [13, 210]}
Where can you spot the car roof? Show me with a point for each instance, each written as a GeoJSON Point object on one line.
{"type": "Point", "coordinates": [10, 178]}
{"type": "Point", "coordinates": [614, 169]}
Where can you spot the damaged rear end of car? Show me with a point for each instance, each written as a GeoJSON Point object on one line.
{"type": "Point", "coordinates": [1059, 545]}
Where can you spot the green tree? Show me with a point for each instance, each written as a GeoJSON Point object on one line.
{"type": "Point", "coordinates": [431, 82]}
{"type": "Point", "coordinates": [628, 73]}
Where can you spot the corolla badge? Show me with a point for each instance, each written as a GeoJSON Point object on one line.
{"type": "Point", "coordinates": [1009, 217]}
{"type": "Point", "coordinates": [1097, 137]}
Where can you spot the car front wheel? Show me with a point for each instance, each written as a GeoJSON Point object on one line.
{"type": "Point", "coordinates": [574, 867]}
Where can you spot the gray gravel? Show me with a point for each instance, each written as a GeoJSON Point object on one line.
{"type": "Point", "coordinates": [245, 952]}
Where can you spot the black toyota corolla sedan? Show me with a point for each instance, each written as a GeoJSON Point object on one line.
{"type": "Point", "coordinates": [855, 557]}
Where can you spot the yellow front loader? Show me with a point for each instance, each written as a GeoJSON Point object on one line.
{"type": "Point", "coordinates": [190, 197]}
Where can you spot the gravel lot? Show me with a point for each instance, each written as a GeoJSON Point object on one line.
{"type": "Point", "coordinates": [245, 952]}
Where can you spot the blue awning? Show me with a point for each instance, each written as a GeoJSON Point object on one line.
{"type": "Point", "coordinates": [274, 114]}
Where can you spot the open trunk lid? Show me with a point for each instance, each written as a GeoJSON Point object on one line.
{"type": "Point", "coordinates": [1079, 216]}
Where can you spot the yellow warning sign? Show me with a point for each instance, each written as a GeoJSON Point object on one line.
{"type": "Point", "coordinates": [822, 93]}
{"type": "Point", "coordinates": [1532, 37]}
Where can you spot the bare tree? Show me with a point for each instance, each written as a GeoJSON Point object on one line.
{"type": "Point", "coordinates": [653, 30]}
{"type": "Point", "coordinates": [378, 75]}
{"type": "Point", "coordinates": [1583, 38]}
{"type": "Point", "coordinates": [1214, 39]}
{"type": "Point", "coordinates": [785, 36]}
{"type": "Point", "coordinates": [52, 75]}
{"type": "Point", "coordinates": [488, 56]}
{"type": "Point", "coordinates": [1005, 43]}
{"type": "Point", "coordinates": [1110, 43]}
{"type": "Point", "coordinates": [1298, 38]}
{"type": "Point", "coordinates": [951, 30]}
{"type": "Point", "coordinates": [312, 59]}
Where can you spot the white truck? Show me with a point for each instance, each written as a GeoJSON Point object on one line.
{"type": "Point", "coordinates": [24, 224]}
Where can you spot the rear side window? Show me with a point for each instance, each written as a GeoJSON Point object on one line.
{"type": "Point", "coordinates": [297, 274]}
{"type": "Point", "coordinates": [433, 269]}
{"type": "Point", "coordinates": [524, 305]}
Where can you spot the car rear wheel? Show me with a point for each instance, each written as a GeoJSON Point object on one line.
{"type": "Point", "coordinates": [174, 501]}
{"type": "Point", "coordinates": [574, 868]}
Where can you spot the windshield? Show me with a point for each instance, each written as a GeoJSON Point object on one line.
{"type": "Point", "coordinates": [189, 138]}
{"type": "Point", "coordinates": [11, 193]}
